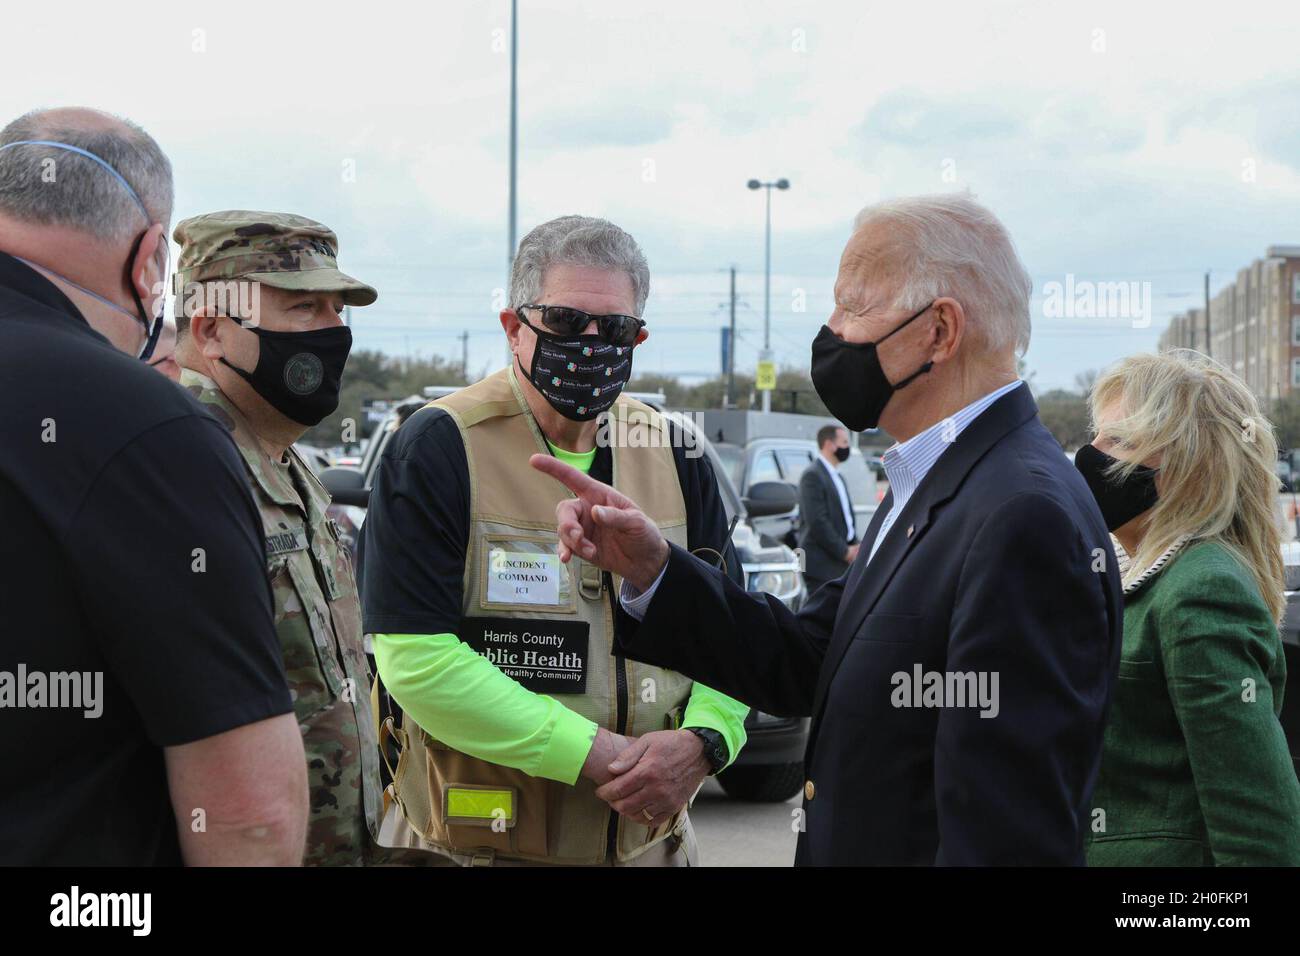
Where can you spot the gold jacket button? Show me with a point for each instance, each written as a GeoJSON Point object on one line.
{"type": "Point", "coordinates": [910, 529]}
{"type": "Point", "coordinates": [809, 791]}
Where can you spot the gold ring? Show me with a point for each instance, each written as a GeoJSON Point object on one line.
{"type": "Point", "coordinates": [646, 813]}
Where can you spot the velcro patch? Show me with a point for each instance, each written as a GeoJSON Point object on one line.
{"type": "Point", "coordinates": [283, 542]}
{"type": "Point", "coordinates": [469, 805]}
{"type": "Point", "coordinates": [548, 657]}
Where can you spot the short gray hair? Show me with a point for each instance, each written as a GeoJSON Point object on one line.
{"type": "Point", "coordinates": [582, 241]}
{"type": "Point", "coordinates": [950, 245]}
{"type": "Point", "coordinates": [83, 195]}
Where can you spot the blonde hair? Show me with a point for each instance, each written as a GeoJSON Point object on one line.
{"type": "Point", "coordinates": [1217, 477]}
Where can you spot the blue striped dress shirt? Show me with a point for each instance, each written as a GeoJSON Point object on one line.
{"type": "Point", "coordinates": [907, 463]}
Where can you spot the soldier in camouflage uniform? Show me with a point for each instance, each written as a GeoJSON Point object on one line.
{"type": "Point", "coordinates": [317, 614]}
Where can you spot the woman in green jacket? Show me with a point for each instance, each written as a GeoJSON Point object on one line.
{"type": "Point", "coordinates": [1195, 769]}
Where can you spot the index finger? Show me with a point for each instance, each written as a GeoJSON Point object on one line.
{"type": "Point", "coordinates": [566, 475]}
{"type": "Point", "coordinates": [578, 483]}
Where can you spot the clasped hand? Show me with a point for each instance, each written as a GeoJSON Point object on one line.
{"type": "Point", "coordinates": [648, 778]}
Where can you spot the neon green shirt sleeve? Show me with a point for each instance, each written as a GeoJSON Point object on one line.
{"type": "Point", "coordinates": [463, 700]}
{"type": "Point", "coordinates": [714, 710]}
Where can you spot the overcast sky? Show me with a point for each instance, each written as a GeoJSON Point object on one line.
{"type": "Point", "coordinates": [1117, 141]}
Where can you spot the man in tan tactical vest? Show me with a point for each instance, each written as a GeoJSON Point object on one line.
{"type": "Point", "coordinates": [262, 345]}
{"type": "Point", "coordinates": [524, 738]}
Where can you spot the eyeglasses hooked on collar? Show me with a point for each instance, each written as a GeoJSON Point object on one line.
{"type": "Point", "coordinates": [569, 322]}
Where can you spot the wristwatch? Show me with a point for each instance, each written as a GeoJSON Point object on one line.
{"type": "Point", "coordinates": [715, 747]}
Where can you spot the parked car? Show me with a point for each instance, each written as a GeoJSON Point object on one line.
{"type": "Point", "coordinates": [770, 767]}
{"type": "Point", "coordinates": [1285, 476]}
{"type": "Point", "coordinates": [768, 566]}
{"type": "Point", "coordinates": [785, 459]}
{"type": "Point", "coordinates": [315, 458]}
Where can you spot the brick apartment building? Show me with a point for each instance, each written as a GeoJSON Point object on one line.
{"type": "Point", "coordinates": [1254, 325]}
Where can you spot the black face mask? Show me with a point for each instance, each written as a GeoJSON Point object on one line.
{"type": "Point", "coordinates": [580, 377]}
{"type": "Point", "coordinates": [842, 454]}
{"type": "Point", "coordinates": [849, 379]}
{"type": "Point", "coordinates": [1120, 499]}
{"type": "Point", "coordinates": [300, 373]}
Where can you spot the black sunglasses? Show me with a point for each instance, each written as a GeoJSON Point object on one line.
{"type": "Point", "coordinates": [563, 320]}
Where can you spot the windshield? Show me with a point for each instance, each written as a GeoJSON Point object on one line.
{"type": "Point", "coordinates": [726, 487]}
{"type": "Point", "coordinates": [732, 458]}
{"type": "Point", "coordinates": [378, 437]}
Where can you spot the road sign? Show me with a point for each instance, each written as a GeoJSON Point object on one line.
{"type": "Point", "coordinates": [765, 381]}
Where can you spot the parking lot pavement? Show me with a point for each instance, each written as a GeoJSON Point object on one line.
{"type": "Point", "coordinates": [732, 833]}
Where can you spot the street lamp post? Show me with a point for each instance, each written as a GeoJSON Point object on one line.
{"type": "Point", "coordinates": [514, 150]}
{"type": "Point", "coordinates": [514, 136]}
{"type": "Point", "coordinates": [767, 280]}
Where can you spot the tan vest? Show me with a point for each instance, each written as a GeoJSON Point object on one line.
{"type": "Point", "coordinates": [471, 806]}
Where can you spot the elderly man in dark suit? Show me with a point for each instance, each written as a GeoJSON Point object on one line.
{"type": "Point", "coordinates": [959, 673]}
{"type": "Point", "coordinates": [828, 533]}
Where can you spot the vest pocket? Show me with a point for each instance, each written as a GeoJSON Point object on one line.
{"type": "Point", "coordinates": [634, 839]}
{"type": "Point", "coordinates": [478, 805]}
{"type": "Point", "coordinates": [522, 571]}
{"type": "Point", "coordinates": [306, 639]}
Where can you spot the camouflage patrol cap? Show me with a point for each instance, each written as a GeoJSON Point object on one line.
{"type": "Point", "coordinates": [278, 249]}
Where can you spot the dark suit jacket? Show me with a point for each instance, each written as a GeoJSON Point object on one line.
{"type": "Point", "coordinates": [999, 564]}
{"type": "Point", "coordinates": [823, 535]}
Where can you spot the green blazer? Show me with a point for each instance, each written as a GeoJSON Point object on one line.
{"type": "Point", "coordinates": [1195, 769]}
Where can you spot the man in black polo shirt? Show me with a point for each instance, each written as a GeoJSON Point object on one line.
{"type": "Point", "coordinates": [144, 715]}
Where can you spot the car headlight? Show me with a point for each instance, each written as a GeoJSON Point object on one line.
{"type": "Point", "coordinates": [778, 583]}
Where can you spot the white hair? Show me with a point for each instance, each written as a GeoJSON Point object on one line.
{"type": "Point", "coordinates": [950, 245]}
{"type": "Point", "coordinates": [577, 240]}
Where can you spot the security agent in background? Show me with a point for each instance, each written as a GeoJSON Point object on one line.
{"type": "Point", "coordinates": [262, 345]}
{"type": "Point", "coordinates": [526, 738]}
{"type": "Point", "coordinates": [827, 533]}
{"type": "Point", "coordinates": [155, 725]}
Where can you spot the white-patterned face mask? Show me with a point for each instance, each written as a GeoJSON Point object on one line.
{"type": "Point", "coordinates": [580, 377]}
